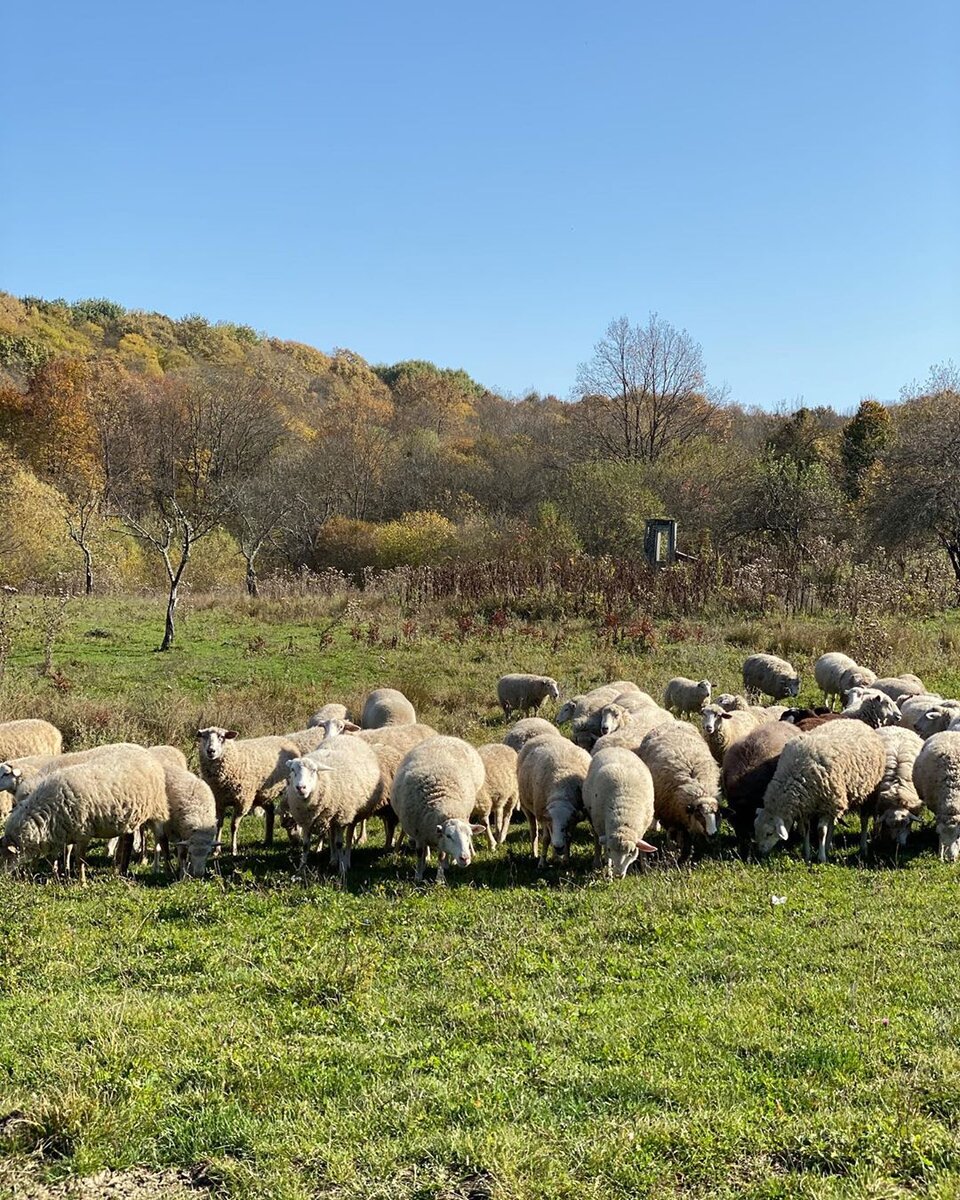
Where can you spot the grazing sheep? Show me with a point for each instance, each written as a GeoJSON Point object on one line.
{"type": "Point", "coordinates": [434, 793]}
{"type": "Point", "coordinates": [836, 673]}
{"type": "Point", "coordinates": [768, 675]}
{"type": "Point", "coordinates": [631, 706]}
{"type": "Point", "coordinates": [936, 776]}
{"type": "Point", "coordinates": [899, 686]}
{"type": "Point", "coordinates": [796, 715]}
{"type": "Point", "coordinates": [732, 701]}
{"type": "Point", "coordinates": [618, 797]}
{"type": "Point", "coordinates": [19, 776]}
{"type": "Point", "coordinates": [391, 744]}
{"type": "Point", "coordinates": [386, 706]}
{"type": "Point", "coordinates": [686, 782]}
{"type": "Point", "coordinates": [525, 693]}
{"type": "Point", "coordinates": [748, 767]}
{"type": "Point", "coordinates": [895, 805]}
{"type": "Point", "coordinates": [19, 739]}
{"type": "Point", "coordinates": [927, 719]}
{"type": "Point", "coordinates": [818, 778]}
{"type": "Point", "coordinates": [631, 732]}
{"type": "Point", "coordinates": [682, 696]}
{"type": "Point", "coordinates": [579, 709]}
{"type": "Point", "coordinates": [873, 708]}
{"type": "Point", "coordinates": [721, 728]}
{"type": "Point", "coordinates": [519, 734]}
{"type": "Point", "coordinates": [500, 793]}
{"type": "Point", "coordinates": [244, 773]}
{"type": "Point", "coordinates": [330, 791]}
{"type": "Point", "coordinates": [106, 797]}
{"type": "Point", "coordinates": [329, 712]}
{"type": "Point", "coordinates": [550, 772]}
{"type": "Point", "coordinates": [190, 820]}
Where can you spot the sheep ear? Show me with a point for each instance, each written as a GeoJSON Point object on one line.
{"type": "Point", "coordinates": [725, 716]}
{"type": "Point", "coordinates": [781, 827]}
{"type": "Point", "coordinates": [439, 830]}
{"type": "Point", "coordinates": [478, 829]}
{"type": "Point", "coordinates": [200, 733]}
{"type": "Point", "coordinates": [932, 714]}
{"type": "Point", "coordinates": [349, 727]}
{"type": "Point", "coordinates": [231, 733]}
{"type": "Point", "coordinates": [12, 850]}
{"type": "Point", "coordinates": [16, 772]}
{"type": "Point", "coordinates": [645, 847]}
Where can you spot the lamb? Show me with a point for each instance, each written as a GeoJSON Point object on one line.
{"type": "Point", "coordinates": [332, 790]}
{"type": "Point", "coordinates": [836, 673]}
{"type": "Point", "coordinates": [683, 695]}
{"type": "Point", "coordinates": [936, 776]}
{"type": "Point", "coordinates": [721, 728]}
{"type": "Point", "coordinates": [618, 797]}
{"type": "Point", "coordinates": [329, 712]}
{"type": "Point", "coordinates": [190, 820]}
{"type": "Point", "coordinates": [18, 739]}
{"type": "Point", "coordinates": [525, 693]}
{"type": "Point", "coordinates": [933, 719]}
{"type": "Point", "coordinates": [519, 734]}
{"type": "Point", "coordinates": [766, 674]}
{"type": "Point", "coordinates": [895, 805]}
{"type": "Point", "coordinates": [387, 706]}
{"type": "Point", "coordinates": [748, 767]}
{"type": "Point", "coordinates": [550, 773]}
{"type": "Point", "coordinates": [818, 778]}
{"type": "Point", "coordinates": [871, 707]}
{"type": "Point", "coordinates": [912, 709]}
{"type": "Point", "coordinates": [434, 793]}
{"type": "Point", "coordinates": [686, 782]}
{"type": "Point", "coordinates": [500, 793]}
{"type": "Point", "coordinates": [244, 773]}
{"type": "Point", "coordinates": [110, 796]}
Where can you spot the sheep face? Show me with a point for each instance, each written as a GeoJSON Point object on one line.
{"type": "Point", "coordinates": [213, 741]}
{"type": "Point", "coordinates": [894, 825]}
{"type": "Point", "coordinates": [949, 834]}
{"type": "Point", "coordinates": [704, 688]}
{"type": "Point", "coordinates": [455, 841]}
{"type": "Point", "coordinates": [611, 718]}
{"type": "Point", "coordinates": [562, 816]}
{"type": "Point", "coordinates": [880, 710]}
{"type": "Point", "coordinates": [10, 777]}
{"type": "Point", "coordinates": [553, 689]}
{"type": "Point", "coordinates": [302, 775]}
{"type": "Point", "coordinates": [768, 830]}
{"type": "Point", "coordinates": [793, 687]}
{"type": "Point", "coordinates": [9, 854]}
{"type": "Point", "coordinates": [620, 857]}
{"type": "Point", "coordinates": [703, 816]}
{"type": "Point", "coordinates": [334, 727]}
{"type": "Point", "coordinates": [565, 711]}
{"type": "Point", "coordinates": [711, 717]}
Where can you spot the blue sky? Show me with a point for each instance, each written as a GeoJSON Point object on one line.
{"type": "Point", "coordinates": [487, 186]}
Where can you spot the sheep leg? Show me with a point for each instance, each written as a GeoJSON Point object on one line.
{"type": "Point", "coordinates": [490, 838]}
{"type": "Point", "coordinates": [686, 846]}
{"type": "Point", "coordinates": [304, 848]}
{"type": "Point", "coordinates": [824, 829]}
{"type": "Point", "coordinates": [362, 836]}
{"type": "Point", "coordinates": [421, 862]}
{"type": "Point", "coordinates": [441, 859]}
{"type": "Point", "coordinates": [597, 853]}
{"type": "Point", "coordinates": [269, 816]}
{"type": "Point", "coordinates": [806, 841]}
{"type": "Point", "coordinates": [545, 844]}
{"type": "Point", "coordinates": [340, 839]}
{"type": "Point", "coordinates": [235, 820]}
{"type": "Point", "coordinates": [124, 853]}
{"type": "Point", "coordinates": [864, 825]}
{"type": "Point", "coordinates": [390, 823]}
{"type": "Point", "coordinates": [534, 833]}
{"type": "Point", "coordinates": [505, 818]}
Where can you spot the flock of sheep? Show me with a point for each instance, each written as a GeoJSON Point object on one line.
{"type": "Point", "coordinates": [630, 768]}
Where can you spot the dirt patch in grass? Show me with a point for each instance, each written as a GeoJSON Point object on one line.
{"type": "Point", "coordinates": [19, 1180]}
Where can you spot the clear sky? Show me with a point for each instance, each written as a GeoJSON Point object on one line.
{"type": "Point", "coordinates": [488, 185]}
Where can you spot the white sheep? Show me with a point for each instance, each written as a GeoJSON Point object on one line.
{"type": "Point", "coordinates": [683, 696]}
{"type": "Point", "coordinates": [722, 728]}
{"type": "Point", "coordinates": [434, 792]}
{"type": "Point", "coordinates": [18, 739]}
{"type": "Point", "coordinates": [190, 821]}
{"type": "Point", "coordinates": [926, 717]}
{"type": "Point", "coordinates": [895, 805]}
{"type": "Point", "coordinates": [686, 782]}
{"type": "Point", "coordinates": [500, 793]}
{"type": "Point", "coordinates": [732, 701]}
{"type": "Point", "coordinates": [525, 693]}
{"type": "Point", "coordinates": [330, 791]}
{"type": "Point", "coordinates": [106, 797]}
{"type": "Point", "coordinates": [329, 712]}
{"type": "Point", "coordinates": [523, 730]}
{"type": "Point", "coordinates": [631, 732]}
{"type": "Point", "coordinates": [870, 706]}
{"type": "Point", "coordinates": [836, 673]}
{"type": "Point", "coordinates": [579, 709]}
{"type": "Point", "coordinates": [899, 686]}
{"type": "Point", "coordinates": [618, 797]}
{"type": "Point", "coordinates": [936, 776]}
{"type": "Point", "coordinates": [819, 777]}
{"type": "Point", "coordinates": [391, 744]}
{"type": "Point", "coordinates": [387, 706]}
{"type": "Point", "coordinates": [768, 675]}
{"type": "Point", "coordinates": [550, 772]}
{"type": "Point", "coordinates": [244, 773]}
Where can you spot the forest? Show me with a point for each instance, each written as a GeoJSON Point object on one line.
{"type": "Point", "coordinates": [143, 452]}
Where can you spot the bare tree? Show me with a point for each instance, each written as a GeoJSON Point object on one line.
{"type": "Point", "coordinates": [644, 390]}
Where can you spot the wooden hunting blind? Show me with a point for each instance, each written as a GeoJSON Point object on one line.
{"type": "Point", "coordinates": [660, 542]}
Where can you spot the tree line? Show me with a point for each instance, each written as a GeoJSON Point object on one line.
{"type": "Point", "coordinates": [176, 432]}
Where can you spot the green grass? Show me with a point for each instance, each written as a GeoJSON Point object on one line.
{"type": "Point", "coordinates": [514, 1035]}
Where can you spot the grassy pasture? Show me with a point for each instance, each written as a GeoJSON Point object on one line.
{"type": "Point", "coordinates": [511, 1036]}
